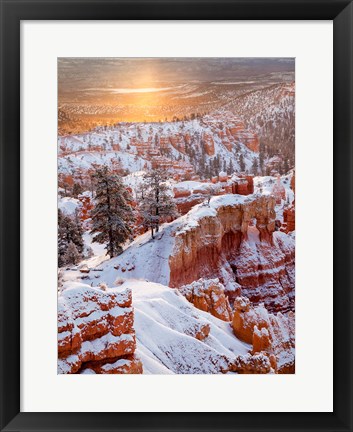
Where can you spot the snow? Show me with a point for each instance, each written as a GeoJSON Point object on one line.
{"type": "Point", "coordinates": [147, 258]}
{"type": "Point", "coordinates": [166, 324]}
{"type": "Point", "coordinates": [68, 205]}
{"type": "Point", "coordinates": [85, 159]}
{"type": "Point", "coordinates": [84, 150]}
{"type": "Point", "coordinates": [166, 327]}
{"type": "Point", "coordinates": [200, 211]}
{"type": "Point", "coordinates": [264, 185]}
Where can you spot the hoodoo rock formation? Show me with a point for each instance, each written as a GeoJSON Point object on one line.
{"type": "Point", "coordinates": [268, 333]}
{"type": "Point", "coordinates": [289, 211]}
{"type": "Point", "coordinates": [209, 296]}
{"type": "Point", "coordinates": [258, 363]}
{"type": "Point", "coordinates": [95, 331]}
{"type": "Point", "coordinates": [289, 218]}
{"type": "Point", "coordinates": [278, 191]}
{"type": "Point", "coordinates": [176, 146]}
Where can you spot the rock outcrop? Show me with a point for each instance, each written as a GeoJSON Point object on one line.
{"type": "Point", "coordinates": [188, 195]}
{"type": "Point", "coordinates": [86, 205]}
{"type": "Point", "coordinates": [217, 232]}
{"type": "Point", "coordinates": [278, 191]}
{"type": "Point", "coordinates": [268, 333]}
{"type": "Point", "coordinates": [233, 239]}
{"type": "Point", "coordinates": [209, 296]}
{"type": "Point", "coordinates": [289, 211]}
{"type": "Point", "coordinates": [265, 271]}
{"type": "Point", "coordinates": [289, 218]}
{"type": "Point", "coordinates": [95, 331]}
{"type": "Point", "coordinates": [208, 143]}
{"type": "Point", "coordinates": [259, 363]}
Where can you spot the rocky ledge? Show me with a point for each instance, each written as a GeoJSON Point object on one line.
{"type": "Point", "coordinates": [95, 331]}
{"type": "Point", "coordinates": [233, 238]}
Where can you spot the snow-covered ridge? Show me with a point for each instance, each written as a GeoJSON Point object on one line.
{"type": "Point", "coordinates": [134, 146]}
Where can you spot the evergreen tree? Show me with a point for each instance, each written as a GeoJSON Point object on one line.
{"type": "Point", "coordinates": [69, 231]}
{"type": "Point", "coordinates": [77, 189]}
{"type": "Point", "coordinates": [72, 255]}
{"type": "Point", "coordinates": [225, 166]}
{"type": "Point", "coordinates": [112, 216]}
{"type": "Point", "coordinates": [230, 169]}
{"type": "Point", "coordinates": [241, 162]}
{"type": "Point", "coordinates": [255, 166]}
{"type": "Point", "coordinates": [156, 200]}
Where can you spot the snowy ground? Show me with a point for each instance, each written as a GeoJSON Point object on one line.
{"type": "Point", "coordinates": [165, 322]}
{"type": "Point", "coordinates": [165, 325]}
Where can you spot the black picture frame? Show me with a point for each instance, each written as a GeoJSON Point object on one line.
{"type": "Point", "coordinates": [12, 12]}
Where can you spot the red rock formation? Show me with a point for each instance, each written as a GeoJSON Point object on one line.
{"type": "Point", "coordinates": [260, 363]}
{"type": "Point", "coordinates": [278, 191]}
{"type": "Point", "coordinates": [242, 187]}
{"type": "Point", "coordinates": [242, 184]}
{"type": "Point", "coordinates": [266, 272]}
{"type": "Point", "coordinates": [86, 205]}
{"type": "Point", "coordinates": [178, 169]}
{"type": "Point", "coordinates": [209, 296]}
{"type": "Point", "coordinates": [178, 142]}
{"type": "Point", "coordinates": [289, 218]}
{"type": "Point", "coordinates": [181, 192]}
{"type": "Point", "coordinates": [186, 198]}
{"type": "Point", "coordinates": [224, 242]}
{"type": "Point", "coordinates": [127, 365]}
{"type": "Point", "coordinates": [222, 177]}
{"type": "Point", "coordinates": [184, 205]}
{"type": "Point", "coordinates": [227, 144]}
{"type": "Point", "coordinates": [261, 340]}
{"type": "Point", "coordinates": [289, 211]}
{"type": "Point", "coordinates": [268, 333]}
{"type": "Point", "coordinates": [200, 248]}
{"type": "Point", "coordinates": [250, 180]}
{"type": "Point", "coordinates": [95, 328]}
{"type": "Point", "coordinates": [208, 144]}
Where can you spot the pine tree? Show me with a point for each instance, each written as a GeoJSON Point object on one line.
{"type": "Point", "coordinates": [76, 190]}
{"type": "Point", "coordinates": [241, 162]}
{"type": "Point", "coordinates": [225, 166]}
{"type": "Point", "coordinates": [156, 200]}
{"type": "Point", "coordinates": [72, 255]}
{"type": "Point", "coordinates": [230, 169]}
{"type": "Point", "coordinates": [112, 216]}
{"type": "Point", "coordinates": [255, 166]}
{"type": "Point", "coordinates": [69, 231]}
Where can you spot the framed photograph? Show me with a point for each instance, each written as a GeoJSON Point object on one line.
{"type": "Point", "coordinates": [176, 215]}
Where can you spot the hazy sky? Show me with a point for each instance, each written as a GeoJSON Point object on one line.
{"type": "Point", "coordinates": [88, 74]}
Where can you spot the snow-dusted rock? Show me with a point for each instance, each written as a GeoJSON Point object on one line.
{"type": "Point", "coordinates": [278, 191]}
{"type": "Point", "coordinates": [211, 235]}
{"type": "Point", "coordinates": [269, 333]}
{"type": "Point", "coordinates": [208, 295]}
{"type": "Point", "coordinates": [94, 326]}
